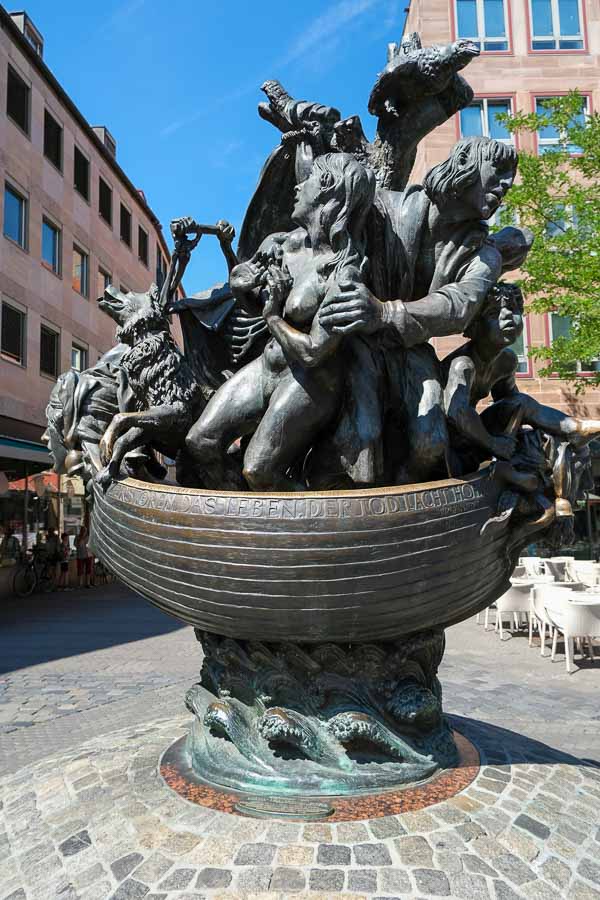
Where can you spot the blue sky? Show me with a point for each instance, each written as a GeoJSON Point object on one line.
{"type": "Point", "coordinates": [178, 85]}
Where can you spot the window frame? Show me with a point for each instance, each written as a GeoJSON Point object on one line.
{"type": "Point", "coordinates": [46, 220]}
{"type": "Point", "coordinates": [125, 209]}
{"type": "Point", "coordinates": [17, 74]}
{"type": "Point", "coordinates": [106, 274]}
{"type": "Point", "coordinates": [24, 199]}
{"type": "Point", "coordinates": [103, 181]}
{"type": "Point", "coordinates": [526, 334]}
{"type": "Point", "coordinates": [483, 98]}
{"type": "Point", "coordinates": [83, 349]}
{"type": "Point", "coordinates": [51, 329]}
{"type": "Point", "coordinates": [550, 142]}
{"type": "Point", "coordinates": [160, 273]}
{"type": "Point", "coordinates": [556, 37]}
{"type": "Point", "coordinates": [78, 150]}
{"type": "Point", "coordinates": [550, 338]}
{"type": "Point", "coordinates": [58, 167]}
{"type": "Point", "coordinates": [144, 260]}
{"type": "Point", "coordinates": [22, 311]}
{"type": "Point", "coordinates": [77, 248]}
{"type": "Point", "coordinates": [480, 39]}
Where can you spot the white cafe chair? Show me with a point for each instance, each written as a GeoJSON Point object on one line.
{"type": "Point", "coordinates": [515, 601]}
{"type": "Point", "coordinates": [584, 570]}
{"type": "Point", "coordinates": [534, 565]}
{"type": "Point", "coordinates": [571, 618]}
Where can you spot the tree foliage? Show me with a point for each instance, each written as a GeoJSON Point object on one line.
{"type": "Point", "coordinates": [558, 196]}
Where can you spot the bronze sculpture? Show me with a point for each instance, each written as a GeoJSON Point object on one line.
{"type": "Point", "coordinates": [338, 500]}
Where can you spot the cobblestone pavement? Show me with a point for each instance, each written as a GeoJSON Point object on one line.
{"type": "Point", "coordinates": [91, 686]}
{"type": "Point", "coordinates": [98, 823]}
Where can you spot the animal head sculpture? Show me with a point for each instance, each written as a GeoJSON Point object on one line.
{"type": "Point", "coordinates": [136, 314]}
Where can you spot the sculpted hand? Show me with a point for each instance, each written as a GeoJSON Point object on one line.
{"type": "Point", "coordinates": [226, 231]}
{"type": "Point", "coordinates": [353, 308]}
{"type": "Point", "coordinates": [277, 288]}
{"type": "Point", "coordinates": [504, 446]}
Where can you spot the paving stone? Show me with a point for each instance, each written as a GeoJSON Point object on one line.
{"type": "Point", "coordinates": [394, 880]}
{"type": "Point", "coordinates": [333, 855]}
{"type": "Point", "coordinates": [589, 869]}
{"type": "Point", "coordinates": [320, 834]}
{"type": "Point", "coordinates": [362, 880]}
{"type": "Point", "coordinates": [75, 844]}
{"type": "Point", "coordinates": [476, 865]}
{"type": "Point", "coordinates": [471, 887]}
{"type": "Point", "coordinates": [503, 891]}
{"type": "Point", "coordinates": [431, 882]}
{"type": "Point", "coordinates": [254, 879]}
{"type": "Point", "coordinates": [581, 891]}
{"type": "Point", "coordinates": [122, 867]}
{"type": "Point", "coordinates": [414, 851]}
{"type": "Point", "coordinates": [326, 880]}
{"type": "Point", "coordinates": [448, 861]}
{"type": "Point", "coordinates": [372, 855]}
{"type": "Point", "coordinates": [255, 855]}
{"type": "Point", "coordinates": [533, 826]}
{"type": "Point", "coordinates": [295, 856]}
{"type": "Point", "coordinates": [541, 890]}
{"type": "Point", "coordinates": [351, 832]}
{"type": "Point", "coordinates": [288, 879]}
{"type": "Point", "coordinates": [130, 890]}
{"type": "Point", "coordinates": [177, 880]}
{"type": "Point", "coordinates": [17, 895]}
{"type": "Point", "coordinates": [512, 867]}
{"type": "Point", "coordinates": [213, 878]}
{"type": "Point", "coordinates": [386, 827]}
{"type": "Point", "coordinates": [469, 830]}
{"type": "Point", "coordinates": [90, 875]}
{"type": "Point", "coordinates": [153, 869]}
{"type": "Point", "coordinates": [556, 871]}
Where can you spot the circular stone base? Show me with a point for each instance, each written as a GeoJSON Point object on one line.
{"type": "Point", "coordinates": [180, 777]}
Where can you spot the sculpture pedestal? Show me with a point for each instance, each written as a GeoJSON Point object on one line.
{"type": "Point", "coordinates": [320, 719]}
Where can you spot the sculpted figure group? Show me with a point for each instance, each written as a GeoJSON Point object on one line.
{"type": "Point", "coordinates": [311, 367]}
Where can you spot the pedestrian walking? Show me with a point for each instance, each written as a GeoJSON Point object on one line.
{"type": "Point", "coordinates": [65, 553]}
{"type": "Point", "coordinates": [84, 560]}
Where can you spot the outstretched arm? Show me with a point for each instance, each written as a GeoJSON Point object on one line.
{"type": "Point", "coordinates": [464, 417]}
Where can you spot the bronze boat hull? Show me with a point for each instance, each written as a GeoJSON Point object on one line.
{"type": "Point", "coordinates": [348, 566]}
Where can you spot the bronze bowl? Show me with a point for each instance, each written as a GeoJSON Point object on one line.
{"type": "Point", "coordinates": [346, 566]}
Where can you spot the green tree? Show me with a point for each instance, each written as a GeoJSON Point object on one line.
{"type": "Point", "coordinates": [558, 196]}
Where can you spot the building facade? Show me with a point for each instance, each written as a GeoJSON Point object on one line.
{"type": "Point", "coordinates": [530, 50]}
{"type": "Point", "coordinates": [72, 222]}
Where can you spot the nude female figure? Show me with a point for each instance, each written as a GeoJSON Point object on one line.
{"type": "Point", "coordinates": [285, 397]}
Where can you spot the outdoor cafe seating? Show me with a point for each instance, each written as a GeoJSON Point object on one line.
{"type": "Point", "coordinates": [557, 597]}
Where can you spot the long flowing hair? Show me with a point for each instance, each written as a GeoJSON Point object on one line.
{"type": "Point", "coordinates": [449, 179]}
{"type": "Point", "coordinates": [346, 196]}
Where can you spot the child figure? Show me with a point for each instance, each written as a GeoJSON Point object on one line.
{"type": "Point", "coordinates": [484, 365]}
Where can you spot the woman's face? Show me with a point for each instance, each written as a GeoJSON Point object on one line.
{"type": "Point", "coordinates": [307, 196]}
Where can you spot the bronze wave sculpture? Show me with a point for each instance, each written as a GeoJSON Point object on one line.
{"type": "Point", "coordinates": [338, 500]}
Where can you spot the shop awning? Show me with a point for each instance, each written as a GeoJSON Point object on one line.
{"type": "Point", "coordinates": [17, 454]}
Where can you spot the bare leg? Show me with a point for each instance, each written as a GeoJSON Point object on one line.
{"type": "Point", "coordinates": [233, 411]}
{"type": "Point", "coordinates": [295, 416]}
{"type": "Point", "coordinates": [546, 418]}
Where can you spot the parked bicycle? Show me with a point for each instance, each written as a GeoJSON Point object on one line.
{"type": "Point", "coordinates": [35, 572]}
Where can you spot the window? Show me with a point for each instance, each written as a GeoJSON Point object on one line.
{"type": "Point", "coordinates": [80, 271]}
{"type": "Point", "coordinates": [53, 140]}
{"type": "Point", "coordinates": [484, 22]}
{"type": "Point", "coordinates": [17, 100]}
{"type": "Point", "coordinates": [125, 225]}
{"type": "Point", "coordinates": [142, 245]}
{"type": "Point", "coordinates": [104, 279]}
{"type": "Point", "coordinates": [556, 25]}
{"type": "Point", "coordinates": [51, 246]}
{"type": "Point", "coordinates": [479, 118]}
{"type": "Point", "coordinates": [161, 267]}
{"type": "Point", "coordinates": [12, 334]}
{"type": "Point", "coordinates": [79, 357]}
{"type": "Point", "coordinates": [549, 137]}
{"type": "Point", "coordinates": [560, 326]}
{"type": "Point", "coordinates": [49, 351]}
{"type": "Point", "coordinates": [520, 348]}
{"type": "Point", "coordinates": [15, 216]}
{"type": "Point", "coordinates": [81, 174]}
{"type": "Point", "coordinates": [105, 200]}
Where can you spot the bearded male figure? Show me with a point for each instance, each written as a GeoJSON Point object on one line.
{"type": "Point", "coordinates": [432, 264]}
